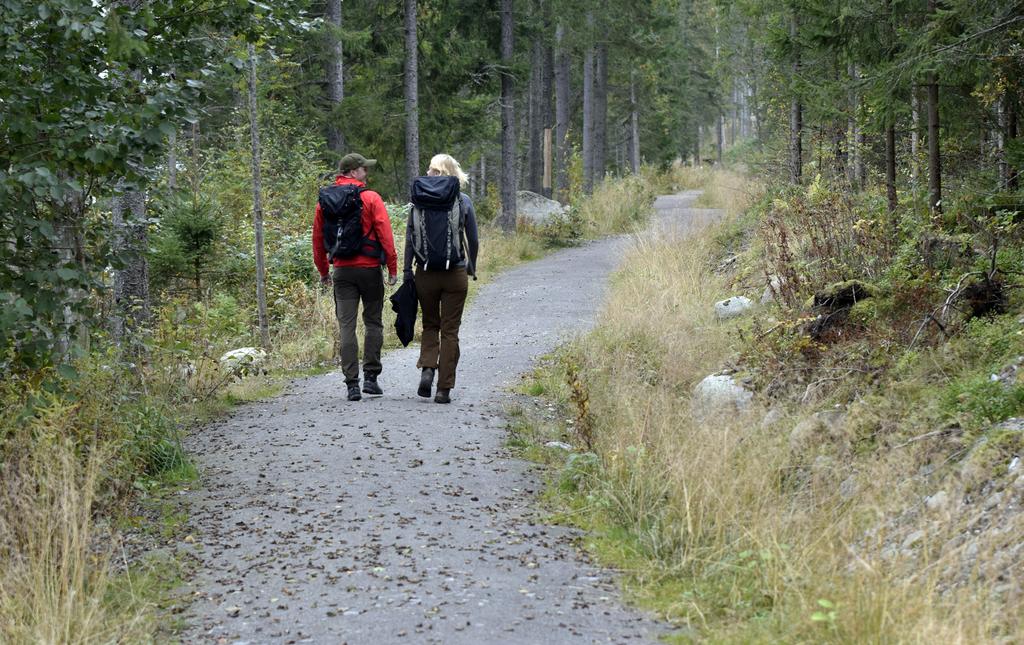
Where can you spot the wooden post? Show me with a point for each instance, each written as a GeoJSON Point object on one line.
{"type": "Point", "coordinates": [547, 163]}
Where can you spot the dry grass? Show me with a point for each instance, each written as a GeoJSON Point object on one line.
{"type": "Point", "coordinates": [55, 580]}
{"type": "Point", "coordinates": [616, 206]}
{"type": "Point", "coordinates": [727, 525]}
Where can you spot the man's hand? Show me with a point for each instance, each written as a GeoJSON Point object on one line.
{"type": "Point", "coordinates": [325, 280]}
{"type": "Point", "coordinates": [392, 279]}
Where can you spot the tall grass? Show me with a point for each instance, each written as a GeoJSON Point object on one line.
{"type": "Point", "coordinates": [737, 527]}
{"type": "Point", "coordinates": [56, 575]}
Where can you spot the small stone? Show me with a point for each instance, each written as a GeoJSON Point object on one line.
{"type": "Point", "coordinates": [559, 444]}
{"type": "Point", "coordinates": [232, 611]}
{"type": "Point", "coordinates": [913, 539]}
{"type": "Point", "coordinates": [971, 550]}
{"type": "Point", "coordinates": [938, 502]}
{"type": "Point", "coordinates": [732, 307]}
{"type": "Point", "coordinates": [1014, 465]}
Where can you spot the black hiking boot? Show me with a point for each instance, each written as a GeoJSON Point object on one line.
{"type": "Point", "coordinates": [353, 392]}
{"type": "Point", "coordinates": [370, 385]}
{"type": "Point", "coordinates": [442, 396]}
{"type": "Point", "coordinates": [426, 382]}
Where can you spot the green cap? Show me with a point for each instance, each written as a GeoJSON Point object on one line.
{"type": "Point", "coordinates": [354, 160]}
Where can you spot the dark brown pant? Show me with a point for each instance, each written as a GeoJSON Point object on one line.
{"type": "Point", "coordinates": [352, 284]}
{"type": "Point", "coordinates": [442, 296]}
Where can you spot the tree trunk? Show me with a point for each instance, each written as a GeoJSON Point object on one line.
{"type": "Point", "coordinates": [536, 117]}
{"type": "Point", "coordinates": [700, 135]}
{"type": "Point", "coordinates": [508, 134]}
{"type": "Point", "coordinates": [1011, 134]}
{"type": "Point", "coordinates": [600, 112]}
{"type": "Point", "coordinates": [412, 110]}
{"type": "Point", "coordinates": [195, 174]}
{"type": "Point", "coordinates": [561, 115]}
{"type": "Point", "coordinates": [796, 165]}
{"type": "Point", "coordinates": [131, 282]}
{"type": "Point", "coordinates": [483, 176]}
{"type": "Point", "coordinates": [1001, 164]}
{"type": "Point", "coordinates": [890, 168]}
{"type": "Point", "coordinates": [588, 109]}
{"type": "Point", "coordinates": [915, 134]}
{"type": "Point", "coordinates": [257, 205]}
{"type": "Point", "coordinates": [855, 168]}
{"type": "Point", "coordinates": [172, 160]}
{"type": "Point", "coordinates": [634, 126]}
{"type": "Point", "coordinates": [934, 154]}
{"type": "Point", "coordinates": [720, 138]}
{"type": "Point", "coordinates": [335, 78]}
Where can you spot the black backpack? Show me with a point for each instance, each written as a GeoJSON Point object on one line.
{"type": "Point", "coordinates": [341, 207]}
{"type": "Point", "coordinates": [437, 222]}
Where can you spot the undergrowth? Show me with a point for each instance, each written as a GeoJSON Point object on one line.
{"type": "Point", "coordinates": [866, 495]}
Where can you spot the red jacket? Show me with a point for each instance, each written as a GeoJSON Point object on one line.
{"type": "Point", "coordinates": [376, 226]}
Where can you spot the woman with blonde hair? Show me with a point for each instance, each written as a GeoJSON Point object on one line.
{"type": "Point", "coordinates": [441, 236]}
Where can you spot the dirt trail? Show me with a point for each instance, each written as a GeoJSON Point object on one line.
{"type": "Point", "coordinates": [397, 520]}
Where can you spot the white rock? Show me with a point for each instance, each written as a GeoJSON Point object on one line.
{"type": "Point", "coordinates": [732, 307]}
{"type": "Point", "coordinates": [1014, 465]}
{"type": "Point", "coordinates": [720, 392]}
{"type": "Point", "coordinates": [243, 360]}
{"type": "Point", "coordinates": [937, 502]}
{"type": "Point", "coordinates": [537, 209]}
{"type": "Point", "coordinates": [559, 444]}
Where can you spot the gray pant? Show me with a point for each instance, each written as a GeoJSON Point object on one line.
{"type": "Point", "coordinates": [352, 284]}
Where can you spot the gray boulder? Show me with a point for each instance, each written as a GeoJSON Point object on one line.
{"type": "Point", "coordinates": [732, 307]}
{"type": "Point", "coordinates": [244, 360]}
{"type": "Point", "coordinates": [538, 209]}
{"type": "Point", "coordinates": [721, 392]}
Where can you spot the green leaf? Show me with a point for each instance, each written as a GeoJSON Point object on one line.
{"type": "Point", "coordinates": [67, 372]}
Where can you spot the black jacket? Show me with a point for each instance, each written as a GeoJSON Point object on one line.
{"type": "Point", "coordinates": [405, 305]}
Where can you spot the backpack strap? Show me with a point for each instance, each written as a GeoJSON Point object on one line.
{"type": "Point", "coordinates": [418, 234]}
{"type": "Point", "coordinates": [455, 215]}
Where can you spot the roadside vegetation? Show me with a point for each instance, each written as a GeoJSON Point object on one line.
{"type": "Point", "coordinates": [871, 489]}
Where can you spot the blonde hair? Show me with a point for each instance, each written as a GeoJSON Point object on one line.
{"type": "Point", "coordinates": [446, 165]}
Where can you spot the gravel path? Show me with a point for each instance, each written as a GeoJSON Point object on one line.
{"type": "Point", "coordinates": [397, 520]}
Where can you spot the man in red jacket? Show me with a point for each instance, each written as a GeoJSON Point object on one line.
{"type": "Point", "coordinates": [358, 277]}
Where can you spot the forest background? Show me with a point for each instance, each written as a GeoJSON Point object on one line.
{"type": "Point", "coordinates": [160, 164]}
